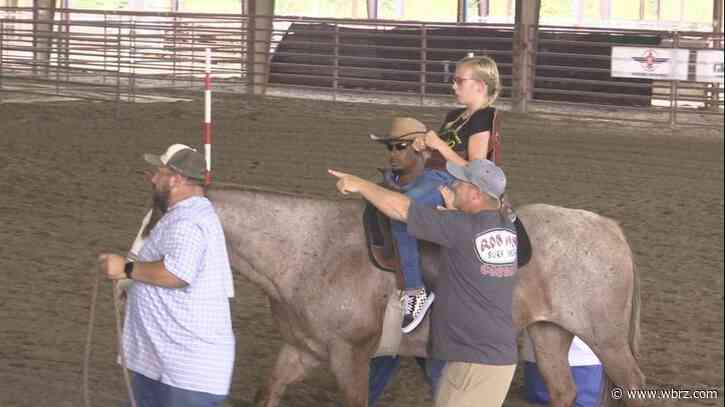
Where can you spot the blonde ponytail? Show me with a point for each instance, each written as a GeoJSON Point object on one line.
{"type": "Point", "coordinates": [484, 69]}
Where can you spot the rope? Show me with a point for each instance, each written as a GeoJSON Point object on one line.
{"type": "Point", "coordinates": [89, 340]}
{"type": "Point", "coordinates": [119, 335]}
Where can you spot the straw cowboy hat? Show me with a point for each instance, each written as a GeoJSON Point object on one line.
{"type": "Point", "coordinates": [401, 129]}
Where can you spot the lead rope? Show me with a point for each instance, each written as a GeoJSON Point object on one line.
{"type": "Point", "coordinates": [89, 340]}
{"type": "Point", "coordinates": [119, 335]}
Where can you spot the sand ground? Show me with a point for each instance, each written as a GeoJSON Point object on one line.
{"type": "Point", "coordinates": [72, 186]}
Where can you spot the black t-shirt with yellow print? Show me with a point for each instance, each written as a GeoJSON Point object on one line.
{"type": "Point", "coordinates": [457, 129]}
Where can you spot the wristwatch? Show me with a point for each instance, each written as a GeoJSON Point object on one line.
{"type": "Point", "coordinates": [128, 269]}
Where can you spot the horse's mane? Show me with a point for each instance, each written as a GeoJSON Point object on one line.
{"type": "Point", "coordinates": [227, 186]}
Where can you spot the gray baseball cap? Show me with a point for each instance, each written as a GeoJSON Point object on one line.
{"type": "Point", "coordinates": [482, 173]}
{"type": "Point", "coordinates": [182, 159]}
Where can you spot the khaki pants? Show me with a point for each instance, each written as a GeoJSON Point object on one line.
{"type": "Point", "coordinates": [474, 385]}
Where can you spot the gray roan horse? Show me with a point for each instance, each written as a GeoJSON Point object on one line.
{"type": "Point", "coordinates": [328, 299]}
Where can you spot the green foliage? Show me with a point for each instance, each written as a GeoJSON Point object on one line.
{"type": "Point", "coordinates": [443, 10]}
{"type": "Point", "coordinates": [422, 10]}
{"type": "Point", "coordinates": [320, 8]}
{"type": "Point", "coordinates": [556, 8]}
{"type": "Point", "coordinates": [211, 6]}
{"type": "Point", "coordinates": [100, 4]}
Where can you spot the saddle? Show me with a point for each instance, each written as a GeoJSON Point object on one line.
{"type": "Point", "coordinates": [523, 244]}
{"type": "Point", "coordinates": [495, 139]}
{"type": "Point", "coordinates": [383, 252]}
{"type": "Point", "coordinates": [379, 238]}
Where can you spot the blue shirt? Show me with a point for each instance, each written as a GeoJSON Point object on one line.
{"type": "Point", "coordinates": [424, 189]}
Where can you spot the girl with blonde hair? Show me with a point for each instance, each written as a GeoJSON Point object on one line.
{"type": "Point", "coordinates": [466, 133]}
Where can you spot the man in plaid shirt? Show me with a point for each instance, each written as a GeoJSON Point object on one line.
{"type": "Point", "coordinates": [178, 338]}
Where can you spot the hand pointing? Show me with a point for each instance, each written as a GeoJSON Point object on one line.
{"type": "Point", "coordinates": [346, 183]}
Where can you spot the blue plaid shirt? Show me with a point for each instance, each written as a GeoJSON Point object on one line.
{"type": "Point", "coordinates": [183, 337]}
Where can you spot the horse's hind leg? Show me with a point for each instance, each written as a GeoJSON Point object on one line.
{"type": "Point", "coordinates": [551, 347]}
{"type": "Point", "coordinates": [621, 369]}
{"type": "Point", "coordinates": [291, 366]}
{"type": "Point", "coordinates": [350, 365]}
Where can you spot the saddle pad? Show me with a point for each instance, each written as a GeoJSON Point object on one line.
{"type": "Point", "coordinates": [389, 344]}
{"type": "Point", "coordinates": [523, 244]}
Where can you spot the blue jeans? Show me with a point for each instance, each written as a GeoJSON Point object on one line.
{"type": "Point", "coordinates": [588, 381]}
{"type": "Point", "coordinates": [422, 191]}
{"type": "Point", "coordinates": [384, 368]}
{"type": "Point", "coordinates": [153, 393]}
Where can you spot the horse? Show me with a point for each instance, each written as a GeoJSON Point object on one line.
{"type": "Point", "coordinates": [309, 256]}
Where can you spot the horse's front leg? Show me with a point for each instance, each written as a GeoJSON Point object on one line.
{"type": "Point", "coordinates": [350, 365]}
{"type": "Point", "coordinates": [292, 365]}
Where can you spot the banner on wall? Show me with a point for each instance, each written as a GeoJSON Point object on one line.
{"type": "Point", "coordinates": [709, 67]}
{"type": "Point", "coordinates": [650, 63]}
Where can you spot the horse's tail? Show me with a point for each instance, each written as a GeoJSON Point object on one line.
{"type": "Point", "coordinates": [634, 334]}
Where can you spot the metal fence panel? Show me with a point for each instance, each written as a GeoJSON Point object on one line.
{"type": "Point", "coordinates": [125, 56]}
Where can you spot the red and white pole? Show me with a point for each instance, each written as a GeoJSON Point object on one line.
{"type": "Point", "coordinates": [207, 117]}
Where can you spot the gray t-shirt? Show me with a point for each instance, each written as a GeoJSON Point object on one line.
{"type": "Point", "coordinates": [471, 319]}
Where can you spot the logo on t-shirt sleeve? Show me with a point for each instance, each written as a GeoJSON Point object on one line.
{"type": "Point", "coordinates": [496, 250]}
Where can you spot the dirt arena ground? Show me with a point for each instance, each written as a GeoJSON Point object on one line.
{"type": "Point", "coordinates": [72, 186]}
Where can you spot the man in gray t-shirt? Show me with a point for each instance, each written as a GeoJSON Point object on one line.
{"type": "Point", "coordinates": [471, 322]}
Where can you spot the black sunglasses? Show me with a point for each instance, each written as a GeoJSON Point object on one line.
{"type": "Point", "coordinates": [396, 146]}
